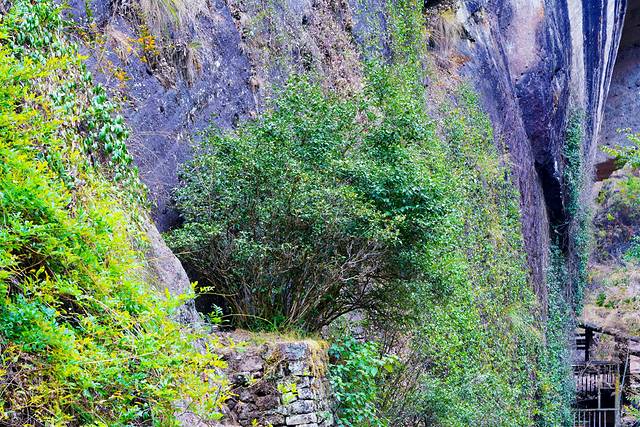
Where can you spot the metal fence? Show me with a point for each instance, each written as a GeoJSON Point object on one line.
{"type": "Point", "coordinates": [594, 417]}
{"type": "Point", "coordinates": [591, 376]}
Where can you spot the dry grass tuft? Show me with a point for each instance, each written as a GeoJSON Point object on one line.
{"type": "Point", "coordinates": [162, 16]}
{"type": "Point", "coordinates": [282, 39]}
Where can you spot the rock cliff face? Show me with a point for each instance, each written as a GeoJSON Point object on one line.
{"type": "Point", "coordinates": [622, 109]}
{"type": "Point", "coordinates": [534, 62]}
{"type": "Point", "coordinates": [168, 103]}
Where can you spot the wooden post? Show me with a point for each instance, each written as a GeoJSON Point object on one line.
{"type": "Point", "coordinates": [588, 337]}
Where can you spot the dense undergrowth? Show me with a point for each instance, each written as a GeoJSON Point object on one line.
{"type": "Point", "coordinates": [83, 339]}
{"type": "Point", "coordinates": [611, 300]}
{"type": "Point", "coordinates": [375, 206]}
{"type": "Point", "coordinates": [355, 378]}
{"type": "Point", "coordinates": [617, 245]}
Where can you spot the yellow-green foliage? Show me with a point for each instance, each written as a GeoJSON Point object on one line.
{"type": "Point", "coordinates": [628, 154]}
{"type": "Point", "coordinates": [83, 340]}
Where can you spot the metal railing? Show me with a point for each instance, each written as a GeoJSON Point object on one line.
{"type": "Point", "coordinates": [594, 417]}
{"type": "Point", "coordinates": [591, 376]}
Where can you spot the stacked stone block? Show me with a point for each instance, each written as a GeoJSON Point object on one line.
{"type": "Point", "coordinates": [280, 384]}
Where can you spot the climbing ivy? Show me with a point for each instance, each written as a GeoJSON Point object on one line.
{"type": "Point", "coordinates": [578, 230]}
{"type": "Point", "coordinates": [556, 377]}
{"type": "Point", "coordinates": [566, 279]}
{"type": "Point", "coordinates": [573, 163]}
{"type": "Point", "coordinates": [355, 375]}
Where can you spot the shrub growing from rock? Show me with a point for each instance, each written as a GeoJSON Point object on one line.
{"type": "Point", "coordinates": [321, 207]}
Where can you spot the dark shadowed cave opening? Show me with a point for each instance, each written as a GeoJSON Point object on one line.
{"type": "Point", "coordinates": [622, 108]}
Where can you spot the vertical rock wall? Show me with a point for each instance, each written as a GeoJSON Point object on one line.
{"type": "Point", "coordinates": [166, 105]}
{"type": "Point", "coordinates": [535, 63]}
{"type": "Point", "coordinates": [622, 109]}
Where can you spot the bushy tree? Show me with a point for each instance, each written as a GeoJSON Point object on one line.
{"type": "Point", "coordinates": [319, 208]}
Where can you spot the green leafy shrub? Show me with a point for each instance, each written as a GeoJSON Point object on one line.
{"type": "Point", "coordinates": [627, 154]}
{"type": "Point", "coordinates": [315, 209]}
{"type": "Point", "coordinates": [633, 253]}
{"type": "Point", "coordinates": [83, 339]}
{"type": "Point", "coordinates": [355, 375]}
{"type": "Point", "coordinates": [601, 299]}
{"type": "Point", "coordinates": [633, 409]}
{"type": "Point", "coordinates": [630, 192]}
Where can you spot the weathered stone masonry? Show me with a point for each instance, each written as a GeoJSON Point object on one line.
{"type": "Point", "coordinates": [280, 384]}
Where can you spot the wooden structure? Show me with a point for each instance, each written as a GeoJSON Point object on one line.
{"type": "Point", "coordinates": [600, 384]}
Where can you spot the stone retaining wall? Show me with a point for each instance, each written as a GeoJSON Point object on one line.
{"type": "Point", "coordinates": [280, 384]}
